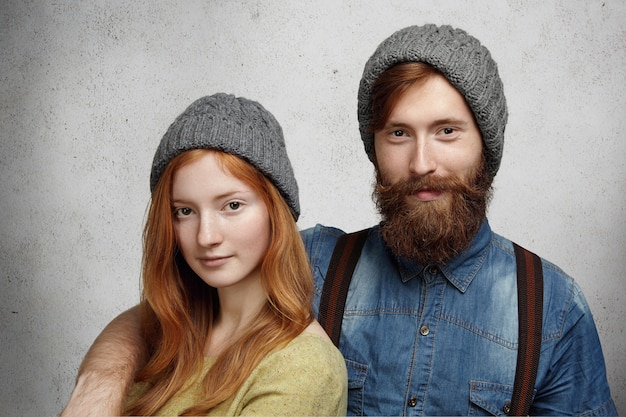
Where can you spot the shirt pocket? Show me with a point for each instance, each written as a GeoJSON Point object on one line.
{"type": "Point", "coordinates": [357, 372]}
{"type": "Point", "coordinates": [489, 398]}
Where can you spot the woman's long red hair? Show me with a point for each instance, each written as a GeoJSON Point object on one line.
{"type": "Point", "coordinates": [178, 308]}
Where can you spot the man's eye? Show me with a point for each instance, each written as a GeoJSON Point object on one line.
{"type": "Point", "coordinates": [398, 132]}
{"type": "Point", "coordinates": [447, 130]}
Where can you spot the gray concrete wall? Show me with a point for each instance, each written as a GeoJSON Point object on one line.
{"type": "Point", "coordinates": [87, 89]}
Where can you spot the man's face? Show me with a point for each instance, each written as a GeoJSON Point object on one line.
{"type": "Point", "coordinates": [431, 131]}
{"type": "Point", "coordinates": [432, 187]}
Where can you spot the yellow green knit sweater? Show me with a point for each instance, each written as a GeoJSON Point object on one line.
{"type": "Point", "coordinates": [306, 378]}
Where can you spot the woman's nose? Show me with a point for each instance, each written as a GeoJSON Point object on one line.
{"type": "Point", "coordinates": [209, 232]}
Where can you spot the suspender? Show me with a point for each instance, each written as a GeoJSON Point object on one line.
{"type": "Point", "coordinates": [530, 310]}
{"type": "Point", "coordinates": [530, 314]}
{"type": "Point", "coordinates": [345, 256]}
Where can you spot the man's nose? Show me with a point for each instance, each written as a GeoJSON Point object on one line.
{"type": "Point", "coordinates": [422, 160]}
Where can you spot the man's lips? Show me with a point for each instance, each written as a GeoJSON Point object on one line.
{"type": "Point", "coordinates": [427, 195]}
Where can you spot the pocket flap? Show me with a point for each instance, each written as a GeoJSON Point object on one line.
{"type": "Point", "coordinates": [491, 397]}
{"type": "Point", "coordinates": [356, 374]}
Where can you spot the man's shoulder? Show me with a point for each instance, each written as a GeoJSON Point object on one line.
{"type": "Point", "coordinates": [321, 232]}
{"type": "Point", "coordinates": [505, 247]}
{"type": "Point", "coordinates": [558, 284]}
{"type": "Point", "coordinates": [320, 241]}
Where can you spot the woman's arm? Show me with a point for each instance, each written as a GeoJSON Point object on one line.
{"type": "Point", "coordinates": [108, 369]}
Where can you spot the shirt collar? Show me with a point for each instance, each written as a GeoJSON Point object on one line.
{"type": "Point", "coordinates": [462, 269]}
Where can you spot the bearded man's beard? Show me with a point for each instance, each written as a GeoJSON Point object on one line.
{"type": "Point", "coordinates": [433, 232]}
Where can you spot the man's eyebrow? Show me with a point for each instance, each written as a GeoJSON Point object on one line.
{"type": "Point", "coordinates": [395, 124]}
{"type": "Point", "coordinates": [453, 121]}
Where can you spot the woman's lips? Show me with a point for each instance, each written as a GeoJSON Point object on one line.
{"type": "Point", "coordinates": [214, 261]}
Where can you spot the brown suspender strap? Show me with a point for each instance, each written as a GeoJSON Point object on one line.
{"type": "Point", "coordinates": [342, 263]}
{"type": "Point", "coordinates": [530, 309]}
{"type": "Point", "coordinates": [530, 314]}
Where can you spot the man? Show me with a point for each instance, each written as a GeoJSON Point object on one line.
{"type": "Point", "coordinates": [430, 325]}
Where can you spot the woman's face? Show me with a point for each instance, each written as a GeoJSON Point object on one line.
{"type": "Point", "coordinates": [222, 226]}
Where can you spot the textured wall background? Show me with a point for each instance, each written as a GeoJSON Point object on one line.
{"type": "Point", "coordinates": [88, 88]}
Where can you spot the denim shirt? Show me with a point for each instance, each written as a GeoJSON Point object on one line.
{"type": "Point", "coordinates": [442, 339]}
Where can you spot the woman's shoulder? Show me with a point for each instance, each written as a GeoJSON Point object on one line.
{"type": "Point", "coordinates": [307, 376]}
{"type": "Point", "coordinates": [312, 343]}
{"type": "Point", "coordinates": [311, 351]}
{"type": "Point", "coordinates": [310, 364]}
{"type": "Point", "coordinates": [316, 328]}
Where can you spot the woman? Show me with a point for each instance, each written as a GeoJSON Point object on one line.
{"type": "Point", "coordinates": [227, 289]}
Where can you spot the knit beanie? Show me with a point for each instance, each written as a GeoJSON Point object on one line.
{"type": "Point", "coordinates": [233, 125]}
{"type": "Point", "coordinates": [466, 64]}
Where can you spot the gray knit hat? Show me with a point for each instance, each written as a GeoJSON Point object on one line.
{"type": "Point", "coordinates": [237, 126]}
{"type": "Point", "coordinates": [462, 60]}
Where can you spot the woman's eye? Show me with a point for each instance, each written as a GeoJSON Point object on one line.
{"type": "Point", "coordinates": [398, 132]}
{"type": "Point", "coordinates": [447, 130]}
{"type": "Point", "coordinates": [183, 212]}
{"type": "Point", "coordinates": [234, 205]}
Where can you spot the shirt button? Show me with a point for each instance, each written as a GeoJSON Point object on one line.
{"type": "Point", "coordinates": [412, 401]}
{"type": "Point", "coordinates": [433, 270]}
{"type": "Point", "coordinates": [424, 330]}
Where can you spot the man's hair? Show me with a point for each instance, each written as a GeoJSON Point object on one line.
{"type": "Point", "coordinates": [178, 308]}
{"type": "Point", "coordinates": [390, 86]}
